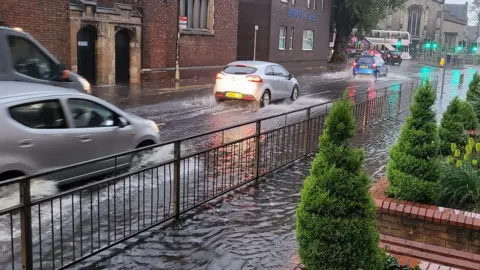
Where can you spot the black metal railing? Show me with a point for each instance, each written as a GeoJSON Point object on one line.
{"type": "Point", "coordinates": [60, 230]}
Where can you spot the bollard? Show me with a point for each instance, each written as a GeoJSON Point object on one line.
{"type": "Point", "coordinates": [399, 103]}
{"type": "Point", "coordinates": [176, 178]}
{"type": "Point", "coordinates": [26, 225]}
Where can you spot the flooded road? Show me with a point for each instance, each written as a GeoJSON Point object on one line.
{"type": "Point", "coordinates": [251, 228]}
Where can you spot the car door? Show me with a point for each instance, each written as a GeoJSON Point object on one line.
{"type": "Point", "coordinates": [40, 135]}
{"type": "Point", "coordinates": [283, 81]}
{"type": "Point", "coordinates": [97, 134]}
{"type": "Point", "coordinates": [273, 81]}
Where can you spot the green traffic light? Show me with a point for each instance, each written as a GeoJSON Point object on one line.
{"type": "Point", "coordinates": [474, 49]}
{"type": "Point", "coordinates": [434, 45]}
{"type": "Point", "coordinates": [427, 45]}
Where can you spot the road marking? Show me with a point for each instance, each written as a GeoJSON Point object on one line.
{"type": "Point", "coordinates": [316, 94]}
{"type": "Point", "coordinates": [227, 111]}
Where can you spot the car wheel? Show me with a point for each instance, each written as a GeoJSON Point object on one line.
{"type": "Point", "coordinates": [294, 95]}
{"type": "Point", "coordinates": [265, 100]}
{"type": "Point", "coordinates": [376, 75]}
{"type": "Point", "coordinates": [218, 100]}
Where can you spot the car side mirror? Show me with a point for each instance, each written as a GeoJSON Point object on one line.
{"type": "Point", "coordinates": [121, 122]}
{"type": "Point", "coordinates": [290, 76]}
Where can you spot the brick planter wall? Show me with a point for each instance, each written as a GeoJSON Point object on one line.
{"type": "Point", "coordinates": [429, 224]}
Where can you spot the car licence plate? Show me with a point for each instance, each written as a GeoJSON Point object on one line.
{"type": "Point", "coordinates": [234, 95]}
{"type": "Point", "coordinates": [395, 57]}
{"type": "Point", "coordinates": [363, 66]}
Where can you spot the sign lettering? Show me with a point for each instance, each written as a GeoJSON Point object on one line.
{"type": "Point", "coordinates": [302, 15]}
{"type": "Point", "coordinates": [83, 43]}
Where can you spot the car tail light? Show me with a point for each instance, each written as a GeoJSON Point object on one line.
{"type": "Point", "coordinates": [240, 65]}
{"type": "Point", "coordinates": [254, 79]}
{"type": "Point", "coordinates": [374, 65]}
{"type": "Point", "coordinates": [354, 64]}
{"type": "Point", "coordinates": [219, 76]}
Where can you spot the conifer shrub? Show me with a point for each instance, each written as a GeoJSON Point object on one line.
{"type": "Point", "coordinates": [452, 129]}
{"type": "Point", "coordinates": [469, 117]}
{"type": "Point", "coordinates": [413, 169]}
{"type": "Point", "coordinates": [473, 94]}
{"type": "Point", "coordinates": [336, 226]}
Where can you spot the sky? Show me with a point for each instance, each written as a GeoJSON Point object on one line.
{"type": "Point", "coordinates": [470, 15]}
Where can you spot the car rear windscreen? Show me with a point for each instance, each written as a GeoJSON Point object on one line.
{"type": "Point", "coordinates": [365, 60]}
{"type": "Point", "coordinates": [239, 70]}
{"type": "Point", "coordinates": [395, 52]}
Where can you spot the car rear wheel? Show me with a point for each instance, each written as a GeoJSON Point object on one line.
{"type": "Point", "coordinates": [265, 100]}
{"type": "Point", "coordinates": [294, 93]}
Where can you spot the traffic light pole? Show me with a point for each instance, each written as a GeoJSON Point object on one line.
{"type": "Point", "coordinates": [444, 45]}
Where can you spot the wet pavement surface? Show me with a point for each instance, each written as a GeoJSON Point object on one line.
{"type": "Point", "coordinates": [250, 228]}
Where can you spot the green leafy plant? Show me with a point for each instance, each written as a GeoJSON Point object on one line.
{"type": "Point", "coordinates": [469, 154]}
{"type": "Point", "coordinates": [451, 128]}
{"type": "Point", "coordinates": [336, 226]}
{"type": "Point", "coordinates": [461, 185]}
{"type": "Point", "coordinates": [473, 94]}
{"type": "Point", "coordinates": [413, 169]}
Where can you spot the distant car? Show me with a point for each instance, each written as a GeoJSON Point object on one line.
{"type": "Point", "coordinates": [48, 127]}
{"type": "Point", "coordinates": [393, 57]}
{"type": "Point", "coordinates": [370, 65]}
{"type": "Point", "coordinates": [257, 81]}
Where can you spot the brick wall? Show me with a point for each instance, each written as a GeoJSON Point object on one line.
{"type": "Point", "coordinates": [428, 224]}
{"type": "Point", "coordinates": [45, 20]}
{"type": "Point", "coordinates": [159, 40]}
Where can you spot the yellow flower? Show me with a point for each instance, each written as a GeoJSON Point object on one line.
{"type": "Point", "coordinates": [458, 164]}
{"type": "Point", "coordinates": [457, 153]}
{"type": "Point", "coordinates": [468, 149]}
{"type": "Point", "coordinates": [474, 162]}
{"type": "Point", "coordinates": [450, 159]}
{"type": "Point", "coordinates": [453, 146]}
{"type": "Point", "coordinates": [471, 142]}
{"type": "Point", "coordinates": [477, 147]}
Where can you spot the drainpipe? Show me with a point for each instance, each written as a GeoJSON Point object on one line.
{"type": "Point", "coordinates": [177, 45]}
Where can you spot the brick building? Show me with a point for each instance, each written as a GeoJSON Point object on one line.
{"type": "Point", "coordinates": [294, 33]}
{"type": "Point", "coordinates": [121, 41]}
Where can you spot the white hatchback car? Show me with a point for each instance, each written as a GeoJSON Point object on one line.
{"type": "Point", "coordinates": [47, 127]}
{"type": "Point", "coordinates": [255, 81]}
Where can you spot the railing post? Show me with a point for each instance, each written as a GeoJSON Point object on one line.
{"type": "Point", "coordinates": [176, 178]}
{"type": "Point", "coordinates": [306, 133]}
{"type": "Point", "coordinates": [26, 224]}
{"type": "Point", "coordinates": [258, 128]}
{"type": "Point", "coordinates": [365, 113]}
{"type": "Point", "coordinates": [399, 103]}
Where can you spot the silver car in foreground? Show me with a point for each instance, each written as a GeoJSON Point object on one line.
{"type": "Point", "coordinates": [46, 127]}
{"type": "Point", "coordinates": [255, 81]}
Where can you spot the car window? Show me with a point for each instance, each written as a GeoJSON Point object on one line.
{"type": "Point", "coordinates": [27, 59]}
{"type": "Point", "coordinates": [269, 71]}
{"type": "Point", "coordinates": [365, 60]}
{"type": "Point", "coordinates": [239, 70]}
{"type": "Point", "coordinates": [279, 71]}
{"type": "Point", "coordinates": [88, 114]}
{"type": "Point", "coordinates": [39, 115]}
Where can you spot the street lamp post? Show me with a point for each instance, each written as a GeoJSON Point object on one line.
{"type": "Point", "coordinates": [255, 43]}
{"type": "Point", "coordinates": [443, 43]}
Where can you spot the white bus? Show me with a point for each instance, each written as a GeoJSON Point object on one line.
{"type": "Point", "coordinates": [386, 39]}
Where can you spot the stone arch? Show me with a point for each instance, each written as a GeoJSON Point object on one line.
{"type": "Point", "coordinates": [86, 46]}
{"type": "Point", "coordinates": [414, 19]}
{"type": "Point", "coordinates": [125, 45]}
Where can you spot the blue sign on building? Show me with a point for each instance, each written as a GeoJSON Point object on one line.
{"type": "Point", "coordinates": [302, 15]}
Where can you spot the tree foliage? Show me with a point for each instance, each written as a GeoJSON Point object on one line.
{"type": "Point", "coordinates": [468, 116]}
{"type": "Point", "coordinates": [336, 216]}
{"type": "Point", "coordinates": [413, 169]}
{"type": "Point", "coordinates": [363, 14]}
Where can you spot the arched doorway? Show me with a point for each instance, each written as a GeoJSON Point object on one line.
{"type": "Point", "coordinates": [122, 56]}
{"type": "Point", "coordinates": [86, 53]}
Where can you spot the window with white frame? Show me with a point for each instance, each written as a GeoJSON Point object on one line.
{"type": "Point", "coordinates": [294, 2]}
{"type": "Point", "coordinates": [199, 13]}
{"type": "Point", "coordinates": [307, 44]}
{"type": "Point", "coordinates": [314, 4]}
{"type": "Point", "coordinates": [281, 39]}
{"type": "Point", "coordinates": [285, 1]}
{"type": "Point", "coordinates": [292, 36]}
{"type": "Point", "coordinates": [309, 4]}
{"type": "Point", "coordinates": [322, 5]}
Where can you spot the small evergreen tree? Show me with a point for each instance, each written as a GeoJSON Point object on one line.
{"type": "Point", "coordinates": [413, 170]}
{"type": "Point", "coordinates": [473, 94]}
{"type": "Point", "coordinates": [451, 128]}
{"type": "Point", "coordinates": [469, 118]}
{"type": "Point", "coordinates": [336, 227]}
